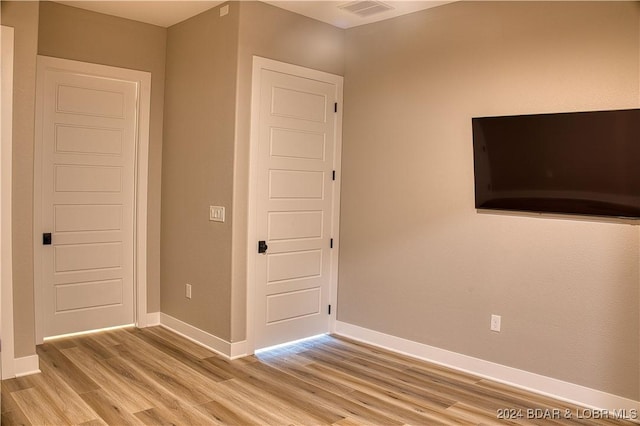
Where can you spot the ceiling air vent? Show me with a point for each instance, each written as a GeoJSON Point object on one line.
{"type": "Point", "coordinates": [365, 9]}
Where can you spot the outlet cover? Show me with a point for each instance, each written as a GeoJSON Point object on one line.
{"type": "Point", "coordinates": [495, 322]}
{"type": "Point", "coordinates": [216, 213]}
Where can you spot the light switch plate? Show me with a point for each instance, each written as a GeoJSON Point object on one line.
{"type": "Point", "coordinates": [216, 213]}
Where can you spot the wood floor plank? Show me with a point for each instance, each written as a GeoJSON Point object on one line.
{"type": "Point", "coordinates": [349, 422]}
{"type": "Point", "coordinates": [405, 411]}
{"type": "Point", "coordinates": [237, 402]}
{"type": "Point", "coordinates": [109, 338]}
{"type": "Point", "coordinates": [111, 383]}
{"type": "Point", "coordinates": [170, 354]}
{"type": "Point", "coordinates": [63, 342]}
{"type": "Point", "coordinates": [174, 376]}
{"type": "Point", "coordinates": [38, 408]}
{"type": "Point", "coordinates": [410, 362]}
{"type": "Point", "coordinates": [163, 416]}
{"type": "Point", "coordinates": [50, 354]}
{"type": "Point", "coordinates": [270, 380]}
{"type": "Point", "coordinates": [305, 374]}
{"type": "Point", "coordinates": [167, 405]}
{"type": "Point", "coordinates": [153, 377]}
{"type": "Point", "coordinates": [416, 408]}
{"type": "Point", "coordinates": [59, 392]}
{"type": "Point", "coordinates": [392, 372]}
{"type": "Point", "coordinates": [224, 415]}
{"type": "Point", "coordinates": [9, 386]}
{"type": "Point", "coordinates": [177, 351]}
{"type": "Point", "coordinates": [317, 402]}
{"type": "Point", "coordinates": [96, 348]}
{"type": "Point", "coordinates": [476, 415]}
{"type": "Point", "coordinates": [96, 422]}
{"type": "Point", "coordinates": [342, 406]}
{"type": "Point", "coordinates": [183, 343]}
{"type": "Point", "coordinates": [109, 410]}
{"type": "Point", "coordinates": [15, 417]}
{"type": "Point", "coordinates": [55, 399]}
{"type": "Point", "coordinates": [280, 411]}
{"type": "Point", "coordinates": [374, 382]}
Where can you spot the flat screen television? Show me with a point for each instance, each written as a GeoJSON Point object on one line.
{"type": "Point", "coordinates": [578, 163]}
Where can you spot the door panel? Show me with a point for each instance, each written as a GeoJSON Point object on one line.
{"type": "Point", "coordinates": [88, 295]}
{"type": "Point", "coordinates": [291, 225]}
{"type": "Point", "coordinates": [85, 257]}
{"type": "Point", "coordinates": [86, 100]}
{"type": "Point", "coordinates": [89, 127]}
{"type": "Point", "coordinates": [299, 104]}
{"type": "Point", "coordinates": [297, 126]}
{"type": "Point", "coordinates": [78, 217]}
{"type": "Point", "coordinates": [300, 184]}
{"type": "Point", "coordinates": [87, 179]}
{"type": "Point", "coordinates": [297, 144]}
{"type": "Point", "coordinates": [88, 140]}
{"type": "Point", "coordinates": [294, 266]}
{"type": "Point", "coordinates": [293, 305]}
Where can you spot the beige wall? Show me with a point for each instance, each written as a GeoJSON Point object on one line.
{"type": "Point", "coordinates": [203, 155]}
{"type": "Point", "coordinates": [23, 17]}
{"type": "Point", "coordinates": [417, 260]}
{"type": "Point", "coordinates": [55, 30]}
{"type": "Point", "coordinates": [277, 34]}
{"type": "Point", "coordinates": [77, 34]}
{"type": "Point", "coordinates": [198, 169]}
{"type": "Point", "coordinates": [206, 157]}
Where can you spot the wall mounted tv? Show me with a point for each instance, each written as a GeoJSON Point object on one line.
{"type": "Point", "coordinates": [579, 163]}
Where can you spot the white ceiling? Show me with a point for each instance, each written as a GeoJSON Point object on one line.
{"type": "Point", "coordinates": [169, 12]}
{"type": "Point", "coordinates": [163, 13]}
{"type": "Point", "coordinates": [329, 11]}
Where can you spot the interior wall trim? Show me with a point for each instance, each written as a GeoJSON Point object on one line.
{"type": "Point", "coordinates": [7, 356]}
{"type": "Point", "coordinates": [26, 365]}
{"type": "Point", "coordinates": [220, 346]}
{"type": "Point", "coordinates": [153, 319]}
{"type": "Point", "coordinates": [548, 386]}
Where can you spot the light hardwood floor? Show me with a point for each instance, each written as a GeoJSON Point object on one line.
{"type": "Point", "coordinates": [153, 376]}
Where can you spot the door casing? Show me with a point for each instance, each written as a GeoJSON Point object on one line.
{"type": "Point", "coordinates": [260, 63]}
{"type": "Point", "coordinates": [143, 79]}
{"type": "Point", "coordinates": [6, 258]}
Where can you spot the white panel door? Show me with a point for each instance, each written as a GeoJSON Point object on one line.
{"type": "Point", "coordinates": [296, 139]}
{"type": "Point", "coordinates": [89, 125]}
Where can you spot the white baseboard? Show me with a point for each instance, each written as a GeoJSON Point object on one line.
{"type": "Point", "coordinates": [153, 319]}
{"type": "Point", "coordinates": [548, 386]}
{"type": "Point", "coordinates": [220, 346]}
{"type": "Point", "coordinates": [238, 350]}
{"type": "Point", "coordinates": [26, 365]}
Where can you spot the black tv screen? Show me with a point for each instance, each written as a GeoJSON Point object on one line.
{"type": "Point", "coordinates": [582, 163]}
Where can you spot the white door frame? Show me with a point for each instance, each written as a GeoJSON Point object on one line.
{"type": "Point", "coordinates": [6, 259]}
{"type": "Point", "coordinates": [143, 80]}
{"type": "Point", "coordinates": [259, 64]}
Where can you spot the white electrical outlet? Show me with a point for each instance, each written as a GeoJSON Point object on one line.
{"type": "Point", "coordinates": [216, 213]}
{"type": "Point", "coordinates": [495, 322]}
{"type": "Point", "coordinates": [188, 291]}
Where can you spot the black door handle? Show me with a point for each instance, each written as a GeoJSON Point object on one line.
{"type": "Point", "coordinates": [46, 239]}
{"type": "Point", "coordinates": [262, 246]}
